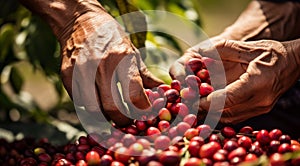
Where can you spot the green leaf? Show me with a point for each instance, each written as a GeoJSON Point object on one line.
{"type": "Point", "coordinates": [135, 24]}
{"type": "Point", "coordinates": [41, 47]}
{"type": "Point", "coordinates": [16, 79]}
{"type": "Point", "coordinates": [6, 40]}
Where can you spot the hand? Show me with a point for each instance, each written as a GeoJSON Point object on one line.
{"type": "Point", "coordinates": [232, 69]}
{"type": "Point", "coordinates": [266, 20]}
{"type": "Point", "coordinates": [271, 69]}
{"type": "Point", "coordinates": [96, 55]}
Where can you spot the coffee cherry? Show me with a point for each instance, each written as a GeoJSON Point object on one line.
{"type": "Point", "coordinates": [182, 127]}
{"type": "Point", "coordinates": [63, 162]}
{"type": "Point", "coordinates": [92, 158]}
{"type": "Point", "coordinates": [191, 119]}
{"type": "Point", "coordinates": [39, 150]}
{"type": "Point", "coordinates": [79, 155]}
{"type": "Point", "coordinates": [238, 152]}
{"type": "Point", "coordinates": [117, 163]}
{"type": "Point", "coordinates": [161, 89]}
{"type": "Point", "coordinates": [193, 81]}
{"type": "Point", "coordinates": [154, 163]}
{"type": "Point", "coordinates": [193, 161]}
{"type": "Point", "coordinates": [128, 139]}
{"type": "Point", "coordinates": [182, 109]}
{"type": "Point", "coordinates": [175, 84]}
{"type": "Point", "coordinates": [285, 139]}
{"type": "Point", "coordinates": [83, 147]}
{"type": "Point", "coordinates": [106, 160]}
{"type": "Point", "coordinates": [219, 157]}
{"type": "Point", "coordinates": [250, 157]}
{"type": "Point", "coordinates": [228, 132]}
{"type": "Point", "coordinates": [163, 125]}
{"type": "Point", "coordinates": [198, 139]}
{"type": "Point", "coordinates": [28, 161]}
{"type": "Point", "coordinates": [205, 89]}
{"type": "Point", "coordinates": [158, 104]}
{"type": "Point", "coordinates": [209, 149]}
{"type": "Point", "coordinates": [190, 133]}
{"type": "Point", "coordinates": [263, 137]}
{"type": "Point", "coordinates": [169, 158]}
{"type": "Point", "coordinates": [164, 114]}
{"type": "Point", "coordinates": [215, 137]}
{"type": "Point", "coordinates": [273, 146]}
{"type": "Point", "coordinates": [295, 148]}
{"type": "Point", "coordinates": [122, 155]}
{"type": "Point", "coordinates": [236, 161]}
{"type": "Point", "coordinates": [204, 130]}
{"type": "Point", "coordinates": [135, 149]}
{"type": "Point", "coordinates": [203, 74]}
{"type": "Point", "coordinates": [172, 95]}
{"type": "Point", "coordinates": [146, 157]}
{"type": "Point", "coordinates": [246, 130]}
{"type": "Point", "coordinates": [153, 132]}
{"type": "Point", "coordinates": [44, 157]}
{"type": "Point", "coordinates": [256, 150]}
{"type": "Point", "coordinates": [275, 134]}
{"type": "Point", "coordinates": [132, 129]}
{"type": "Point", "coordinates": [81, 163]}
{"type": "Point", "coordinates": [162, 142]}
{"type": "Point", "coordinates": [230, 145]}
{"type": "Point", "coordinates": [193, 65]}
{"type": "Point", "coordinates": [152, 95]}
{"type": "Point", "coordinates": [245, 142]}
{"type": "Point", "coordinates": [193, 148]}
{"type": "Point", "coordinates": [207, 162]}
{"type": "Point", "coordinates": [173, 132]}
{"type": "Point", "coordinates": [277, 159]}
{"type": "Point", "coordinates": [152, 120]}
{"type": "Point", "coordinates": [189, 94]}
{"type": "Point", "coordinates": [284, 148]}
{"type": "Point", "coordinates": [141, 125]}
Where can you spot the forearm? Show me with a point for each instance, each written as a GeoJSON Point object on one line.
{"type": "Point", "coordinates": [60, 14]}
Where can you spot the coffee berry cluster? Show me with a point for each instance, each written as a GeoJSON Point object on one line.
{"type": "Point", "coordinates": [171, 134]}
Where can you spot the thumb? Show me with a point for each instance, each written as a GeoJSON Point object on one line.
{"type": "Point", "coordinates": [235, 51]}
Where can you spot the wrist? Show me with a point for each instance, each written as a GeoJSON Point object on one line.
{"type": "Point", "coordinates": [61, 16]}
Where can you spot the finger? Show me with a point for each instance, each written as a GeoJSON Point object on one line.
{"type": "Point", "coordinates": [132, 85]}
{"type": "Point", "coordinates": [233, 94]}
{"type": "Point", "coordinates": [149, 80]}
{"type": "Point", "coordinates": [83, 81]}
{"type": "Point", "coordinates": [66, 75]}
{"type": "Point", "coordinates": [236, 51]}
{"type": "Point", "coordinates": [110, 97]}
{"type": "Point", "coordinates": [177, 70]}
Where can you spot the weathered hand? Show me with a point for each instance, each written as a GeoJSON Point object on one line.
{"type": "Point", "coordinates": [271, 68]}
{"type": "Point", "coordinates": [96, 55]}
{"type": "Point", "coordinates": [266, 20]}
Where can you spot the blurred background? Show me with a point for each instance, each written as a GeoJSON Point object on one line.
{"type": "Point", "coordinates": [33, 101]}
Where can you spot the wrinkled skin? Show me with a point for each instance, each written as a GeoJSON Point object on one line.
{"type": "Point", "coordinates": [257, 72]}
{"type": "Point", "coordinates": [96, 54]}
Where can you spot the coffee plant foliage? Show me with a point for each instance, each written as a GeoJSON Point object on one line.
{"type": "Point", "coordinates": [25, 38]}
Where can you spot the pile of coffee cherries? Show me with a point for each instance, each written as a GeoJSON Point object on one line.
{"type": "Point", "coordinates": [170, 134]}
{"type": "Point", "coordinates": [219, 148]}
